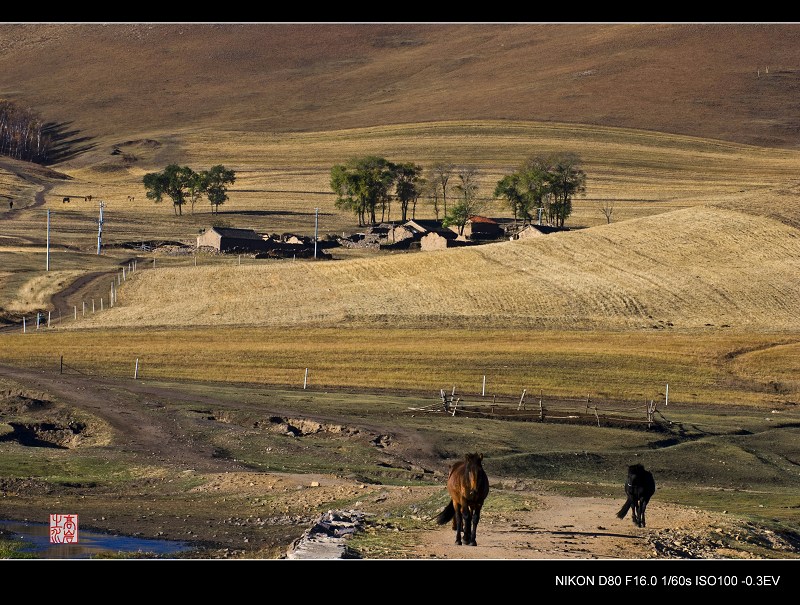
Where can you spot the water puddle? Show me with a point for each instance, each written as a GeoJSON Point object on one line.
{"type": "Point", "coordinates": [37, 538]}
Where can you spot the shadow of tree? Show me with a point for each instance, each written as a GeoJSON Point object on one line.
{"type": "Point", "coordinates": [65, 143]}
{"type": "Point", "coordinates": [269, 213]}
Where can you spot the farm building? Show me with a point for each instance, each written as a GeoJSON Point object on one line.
{"type": "Point", "coordinates": [481, 227]}
{"type": "Point", "coordinates": [226, 239]}
{"type": "Point", "coordinates": [534, 231]}
{"type": "Point", "coordinates": [439, 240]}
{"type": "Point", "coordinates": [412, 230]}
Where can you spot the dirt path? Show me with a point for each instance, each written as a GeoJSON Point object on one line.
{"type": "Point", "coordinates": [553, 526]}
{"type": "Point", "coordinates": [142, 424]}
{"type": "Point", "coordinates": [582, 528]}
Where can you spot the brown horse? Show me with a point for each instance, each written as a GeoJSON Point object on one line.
{"type": "Point", "coordinates": [468, 486]}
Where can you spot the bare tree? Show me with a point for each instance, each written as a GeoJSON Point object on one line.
{"type": "Point", "coordinates": [442, 171]}
{"type": "Point", "coordinates": [468, 204]}
{"type": "Point", "coordinates": [607, 208]}
{"type": "Point", "coordinates": [431, 191]}
{"type": "Point", "coordinates": [23, 134]}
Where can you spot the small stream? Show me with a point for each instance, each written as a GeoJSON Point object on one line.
{"type": "Point", "coordinates": [37, 537]}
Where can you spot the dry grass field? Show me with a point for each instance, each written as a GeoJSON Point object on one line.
{"type": "Point", "coordinates": [703, 238]}
{"type": "Point", "coordinates": [695, 282]}
{"type": "Point", "coordinates": [686, 269]}
{"type": "Point", "coordinates": [127, 79]}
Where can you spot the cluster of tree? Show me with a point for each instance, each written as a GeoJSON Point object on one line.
{"type": "Point", "coordinates": [23, 134]}
{"type": "Point", "coordinates": [368, 184]}
{"type": "Point", "coordinates": [543, 184]}
{"type": "Point", "coordinates": [182, 184]}
{"type": "Point", "coordinates": [364, 185]}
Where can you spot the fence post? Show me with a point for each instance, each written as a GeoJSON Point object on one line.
{"type": "Point", "coordinates": [62, 364]}
{"type": "Point", "coordinates": [305, 379]}
{"type": "Point", "coordinates": [483, 392]}
{"type": "Point", "coordinates": [76, 312]}
{"type": "Point", "coordinates": [23, 325]}
{"type": "Point", "coordinates": [48, 318]}
{"type": "Point", "coordinates": [136, 369]}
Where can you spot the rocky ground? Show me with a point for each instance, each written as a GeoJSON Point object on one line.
{"type": "Point", "coordinates": [235, 512]}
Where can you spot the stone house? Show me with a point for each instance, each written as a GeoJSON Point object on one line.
{"type": "Point", "coordinates": [227, 239]}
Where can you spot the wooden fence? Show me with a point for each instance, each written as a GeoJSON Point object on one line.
{"type": "Point", "coordinates": [590, 410]}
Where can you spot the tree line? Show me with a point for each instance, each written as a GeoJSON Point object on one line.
{"type": "Point", "coordinates": [23, 134]}
{"type": "Point", "coordinates": [544, 186]}
{"type": "Point", "coordinates": [183, 185]}
{"type": "Point", "coordinates": [541, 189]}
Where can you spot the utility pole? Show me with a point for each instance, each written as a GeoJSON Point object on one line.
{"type": "Point", "coordinates": [48, 239]}
{"type": "Point", "coordinates": [100, 227]}
{"type": "Point", "coordinates": [316, 230]}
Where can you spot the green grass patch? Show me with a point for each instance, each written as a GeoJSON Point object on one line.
{"type": "Point", "coordinates": [14, 549]}
{"type": "Point", "coordinates": [631, 366]}
{"type": "Point", "coordinates": [66, 467]}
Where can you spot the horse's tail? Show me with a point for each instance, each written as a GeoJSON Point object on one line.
{"type": "Point", "coordinates": [447, 514]}
{"type": "Point", "coordinates": [624, 510]}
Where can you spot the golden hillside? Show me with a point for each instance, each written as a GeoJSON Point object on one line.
{"type": "Point", "coordinates": [689, 268]}
{"type": "Point", "coordinates": [727, 81]}
{"type": "Point", "coordinates": [282, 103]}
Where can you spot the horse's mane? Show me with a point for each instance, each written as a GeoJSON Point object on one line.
{"type": "Point", "coordinates": [474, 458]}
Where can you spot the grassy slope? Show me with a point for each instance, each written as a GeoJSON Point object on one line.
{"type": "Point", "coordinates": [631, 274]}
{"type": "Point", "coordinates": [674, 78]}
{"type": "Point", "coordinates": [687, 269]}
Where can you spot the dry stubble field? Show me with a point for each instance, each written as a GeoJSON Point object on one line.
{"type": "Point", "coordinates": [700, 260]}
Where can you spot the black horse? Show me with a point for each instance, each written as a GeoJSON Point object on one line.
{"type": "Point", "coordinates": [639, 488]}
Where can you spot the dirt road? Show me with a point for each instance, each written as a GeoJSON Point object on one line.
{"type": "Point", "coordinates": [144, 427]}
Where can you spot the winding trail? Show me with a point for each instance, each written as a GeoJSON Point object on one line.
{"type": "Point", "coordinates": [83, 288]}
{"type": "Point", "coordinates": [141, 423]}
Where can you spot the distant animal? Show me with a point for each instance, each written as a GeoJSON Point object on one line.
{"type": "Point", "coordinates": [88, 198]}
{"type": "Point", "coordinates": [639, 488]}
{"type": "Point", "coordinates": [10, 204]}
{"type": "Point", "coordinates": [468, 486]}
{"type": "Point", "coordinates": [65, 200]}
{"type": "Point", "coordinates": [130, 198]}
